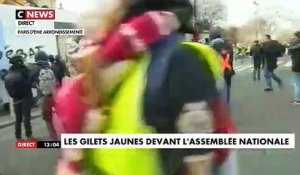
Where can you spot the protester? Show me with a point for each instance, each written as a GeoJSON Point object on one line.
{"type": "Point", "coordinates": [5, 99]}
{"type": "Point", "coordinates": [123, 42]}
{"type": "Point", "coordinates": [18, 85]}
{"type": "Point", "coordinates": [59, 68]}
{"type": "Point", "coordinates": [272, 49]}
{"type": "Point", "coordinates": [225, 49]}
{"type": "Point", "coordinates": [44, 79]}
{"type": "Point", "coordinates": [51, 59]}
{"type": "Point", "coordinates": [256, 53]}
{"type": "Point", "coordinates": [177, 66]}
{"type": "Point", "coordinates": [294, 50]}
{"type": "Point", "coordinates": [115, 46]}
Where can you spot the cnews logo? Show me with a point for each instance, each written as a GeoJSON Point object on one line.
{"type": "Point", "coordinates": [35, 14]}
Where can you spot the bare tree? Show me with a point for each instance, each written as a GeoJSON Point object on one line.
{"type": "Point", "coordinates": [212, 11]}
{"type": "Point", "coordinates": [231, 33]}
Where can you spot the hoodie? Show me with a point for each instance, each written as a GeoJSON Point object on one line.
{"type": "Point", "coordinates": [41, 62]}
{"type": "Point", "coordinates": [182, 8]}
{"type": "Point", "coordinates": [18, 76]}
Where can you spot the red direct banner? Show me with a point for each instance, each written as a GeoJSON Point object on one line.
{"type": "Point", "coordinates": [26, 144]}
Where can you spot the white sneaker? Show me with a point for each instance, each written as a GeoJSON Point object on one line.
{"type": "Point", "coordinates": [296, 103]}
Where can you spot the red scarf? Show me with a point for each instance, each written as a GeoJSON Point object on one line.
{"type": "Point", "coordinates": [133, 37]}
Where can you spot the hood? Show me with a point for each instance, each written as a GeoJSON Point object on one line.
{"type": "Point", "coordinates": [41, 56]}
{"type": "Point", "coordinates": [215, 33]}
{"type": "Point", "coordinates": [217, 41]}
{"type": "Point", "coordinates": [138, 7]}
{"type": "Point", "coordinates": [182, 8]}
{"type": "Point", "coordinates": [43, 64]}
{"type": "Point", "coordinates": [16, 60]}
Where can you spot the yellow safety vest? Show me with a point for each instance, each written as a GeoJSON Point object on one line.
{"type": "Point", "coordinates": [126, 117]}
{"type": "Point", "coordinates": [210, 55]}
{"type": "Point", "coordinates": [213, 59]}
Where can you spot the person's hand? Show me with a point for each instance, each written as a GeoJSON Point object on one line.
{"type": "Point", "coordinates": [94, 121]}
{"type": "Point", "coordinates": [223, 124]}
{"type": "Point", "coordinates": [225, 127]}
{"type": "Point", "coordinates": [72, 155]}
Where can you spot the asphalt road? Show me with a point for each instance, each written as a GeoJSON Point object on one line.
{"type": "Point", "coordinates": [254, 111]}
{"type": "Point", "coordinates": [257, 111]}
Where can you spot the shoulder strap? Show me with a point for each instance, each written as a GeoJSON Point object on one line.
{"type": "Point", "coordinates": [160, 61]}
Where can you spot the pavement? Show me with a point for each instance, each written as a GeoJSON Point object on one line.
{"type": "Point", "coordinates": [257, 111]}
{"type": "Point", "coordinates": [253, 109]}
{"type": "Point", "coordinates": [8, 120]}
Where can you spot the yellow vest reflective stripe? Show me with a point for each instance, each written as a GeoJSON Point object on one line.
{"type": "Point", "coordinates": [126, 118]}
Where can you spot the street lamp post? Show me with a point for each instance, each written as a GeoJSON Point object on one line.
{"type": "Point", "coordinates": [196, 27]}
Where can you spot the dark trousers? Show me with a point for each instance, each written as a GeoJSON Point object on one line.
{"type": "Point", "coordinates": [256, 72]}
{"type": "Point", "coordinates": [227, 88]}
{"type": "Point", "coordinates": [22, 110]}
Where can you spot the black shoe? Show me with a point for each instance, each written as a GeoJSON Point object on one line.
{"type": "Point", "coordinates": [268, 89]}
{"type": "Point", "coordinates": [31, 138]}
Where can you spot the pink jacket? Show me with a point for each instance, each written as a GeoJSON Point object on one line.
{"type": "Point", "coordinates": [70, 109]}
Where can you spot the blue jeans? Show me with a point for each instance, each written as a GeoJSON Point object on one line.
{"type": "Point", "coordinates": [269, 75]}
{"type": "Point", "coordinates": [297, 86]}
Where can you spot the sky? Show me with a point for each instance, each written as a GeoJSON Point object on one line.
{"type": "Point", "coordinates": [241, 11]}
{"type": "Point", "coordinates": [82, 6]}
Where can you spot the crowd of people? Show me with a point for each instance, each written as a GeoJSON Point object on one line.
{"type": "Point", "coordinates": [265, 56]}
{"type": "Point", "coordinates": [44, 75]}
{"type": "Point", "coordinates": [134, 76]}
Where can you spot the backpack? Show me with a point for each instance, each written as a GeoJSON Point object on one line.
{"type": "Point", "coordinates": [46, 81]}
{"type": "Point", "coordinates": [15, 83]}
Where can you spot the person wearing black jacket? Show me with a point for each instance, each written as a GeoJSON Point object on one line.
{"type": "Point", "coordinates": [171, 85]}
{"type": "Point", "coordinates": [294, 50]}
{"type": "Point", "coordinates": [18, 85]}
{"type": "Point", "coordinates": [256, 53]}
{"type": "Point", "coordinates": [272, 49]}
{"type": "Point", "coordinates": [59, 68]}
